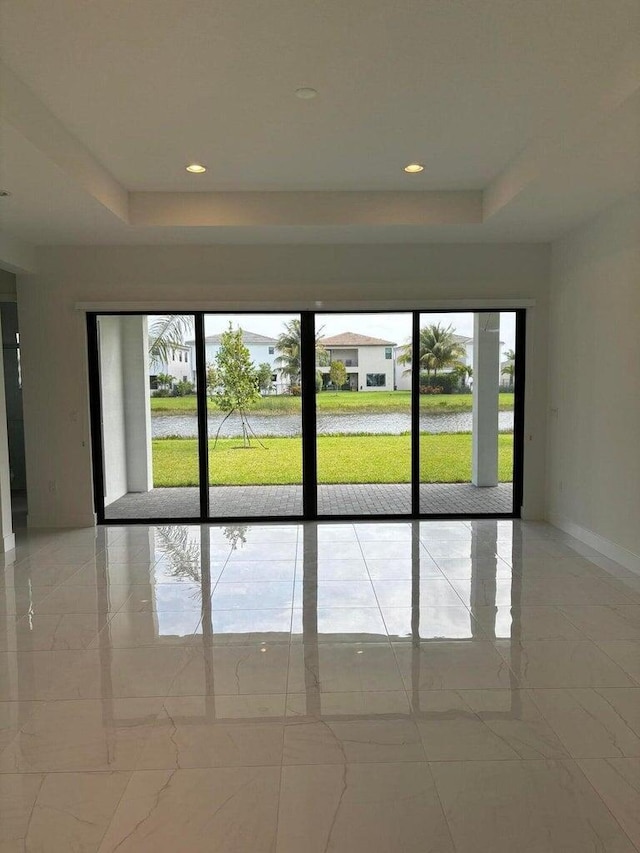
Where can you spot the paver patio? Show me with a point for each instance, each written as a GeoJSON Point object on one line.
{"type": "Point", "coordinates": [351, 499]}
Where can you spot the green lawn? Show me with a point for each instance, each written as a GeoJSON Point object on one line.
{"type": "Point", "coordinates": [342, 402]}
{"type": "Point", "coordinates": [445, 458]}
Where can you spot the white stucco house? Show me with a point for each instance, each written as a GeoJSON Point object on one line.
{"type": "Point", "coordinates": [370, 362]}
{"type": "Point", "coordinates": [262, 350]}
{"type": "Point", "coordinates": [179, 366]}
{"type": "Point", "coordinates": [403, 371]}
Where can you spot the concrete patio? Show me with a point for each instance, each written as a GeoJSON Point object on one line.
{"type": "Point", "coordinates": [283, 501]}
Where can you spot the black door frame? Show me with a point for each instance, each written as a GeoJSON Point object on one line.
{"type": "Point", "coordinates": [308, 420]}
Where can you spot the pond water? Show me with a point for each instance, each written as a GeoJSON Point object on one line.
{"type": "Point", "coordinates": [186, 426]}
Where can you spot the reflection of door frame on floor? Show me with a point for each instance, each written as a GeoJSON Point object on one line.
{"type": "Point", "coordinates": [309, 485]}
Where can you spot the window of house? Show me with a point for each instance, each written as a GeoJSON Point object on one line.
{"type": "Point", "coordinates": [376, 380]}
{"type": "Point", "coordinates": [388, 353]}
{"type": "Point", "coordinates": [179, 356]}
{"type": "Point", "coordinates": [272, 350]}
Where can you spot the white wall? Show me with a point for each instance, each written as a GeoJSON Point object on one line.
{"type": "Point", "coordinates": [344, 276]}
{"type": "Point", "coordinates": [177, 366]}
{"type": "Point", "coordinates": [372, 360]}
{"type": "Point", "coordinates": [594, 375]}
{"type": "Point", "coordinates": [258, 354]}
{"type": "Point", "coordinates": [7, 285]}
{"type": "Point", "coordinates": [126, 411]}
{"type": "Point", "coordinates": [137, 404]}
{"type": "Point", "coordinates": [114, 434]}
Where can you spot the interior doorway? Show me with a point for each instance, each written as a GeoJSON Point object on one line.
{"type": "Point", "coordinates": [15, 419]}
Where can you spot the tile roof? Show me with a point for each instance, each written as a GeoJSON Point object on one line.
{"type": "Point", "coordinates": [352, 339]}
{"type": "Point", "coordinates": [247, 337]}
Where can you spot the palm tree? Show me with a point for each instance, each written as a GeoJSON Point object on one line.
{"type": "Point", "coordinates": [167, 333]}
{"type": "Point", "coordinates": [463, 372]}
{"type": "Point", "coordinates": [437, 348]}
{"type": "Point", "coordinates": [289, 346]}
{"type": "Point", "coordinates": [164, 380]}
{"type": "Point", "coordinates": [509, 368]}
{"type": "Point", "coordinates": [510, 371]}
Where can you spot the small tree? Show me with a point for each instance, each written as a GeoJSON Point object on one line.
{"type": "Point", "coordinates": [338, 374]}
{"type": "Point", "coordinates": [212, 380]}
{"type": "Point", "coordinates": [264, 374]}
{"type": "Point", "coordinates": [237, 382]}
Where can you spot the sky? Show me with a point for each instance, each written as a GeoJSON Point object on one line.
{"type": "Point", "coordinates": [391, 327]}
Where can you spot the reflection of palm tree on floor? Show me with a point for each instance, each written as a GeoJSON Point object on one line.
{"type": "Point", "coordinates": [182, 554]}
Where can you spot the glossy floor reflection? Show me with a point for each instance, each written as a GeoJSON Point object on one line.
{"type": "Point", "coordinates": [426, 686]}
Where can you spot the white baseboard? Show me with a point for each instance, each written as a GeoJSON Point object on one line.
{"type": "Point", "coordinates": [85, 520]}
{"type": "Point", "coordinates": [599, 543]}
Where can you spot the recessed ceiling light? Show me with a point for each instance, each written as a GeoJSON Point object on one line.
{"type": "Point", "coordinates": [4, 193]}
{"type": "Point", "coordinates": [414, 168]}
{"type": "Point", "coordinates": [306, 93]}
{"type": "Point", "coordinates": [196, 168]}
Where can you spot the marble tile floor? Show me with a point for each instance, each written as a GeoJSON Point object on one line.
{"type": "Point", "coordinates": [459, 686]}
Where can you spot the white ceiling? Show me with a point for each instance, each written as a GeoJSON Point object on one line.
{"type": "Point", "coordinates": [533, 104]}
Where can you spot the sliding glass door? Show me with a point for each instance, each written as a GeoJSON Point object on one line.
{"type": "Point", "coordinates": [254, 394]}
{"type": "Point", "coordinates": [363, 414]}
{"type": "Point", "coordinates": [306, 415]}
{"type": "Point", "coordinates": [148, 425]}
{"type": "Point", "coordinates": [467, 369]}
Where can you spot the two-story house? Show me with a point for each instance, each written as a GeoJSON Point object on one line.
{"type": "Point", "coordinates": [262, 350]}
{"type": "Point", "coordinates": [179, 365]}
{"type": "Point", "coordinates": [370, 362]}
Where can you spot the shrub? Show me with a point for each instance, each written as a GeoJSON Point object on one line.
{"type": "Point", "coordinates": [183, 388]}
{"type": "Point", "coordinates": [447, 383]}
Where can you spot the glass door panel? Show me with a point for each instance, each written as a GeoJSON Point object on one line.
{"type": "Point", "coordinates": [363, 420]}
{"type": "Point", "coordinates": [253, 369]}
{"type": "Point", "coordinates": [467, 372]}
{"type": "Point", "coordinates": [148, 416]}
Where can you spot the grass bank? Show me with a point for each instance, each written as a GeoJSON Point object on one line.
{"type": "Point", "coordinates": [344, 402]}
{"type": "Point", "coordinates": [445, 458]}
